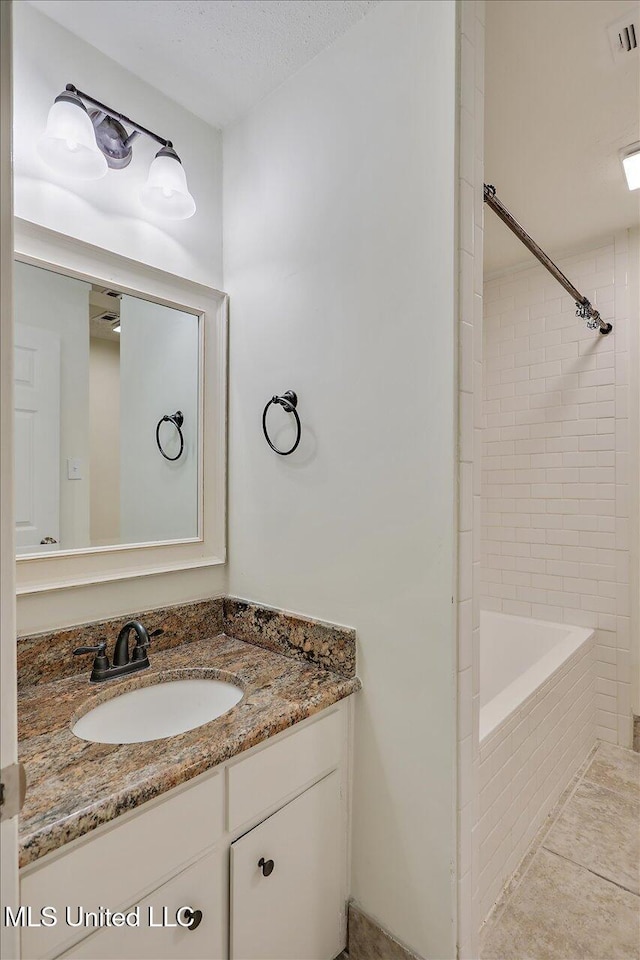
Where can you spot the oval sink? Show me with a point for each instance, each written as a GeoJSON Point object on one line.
{"type": "Point", "coordinates": [157, 711]}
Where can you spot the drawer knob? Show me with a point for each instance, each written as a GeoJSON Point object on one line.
{"type": "Point", "coordinates": [266, 866]}
{"type": "Point", "coordinates": [193, 918]}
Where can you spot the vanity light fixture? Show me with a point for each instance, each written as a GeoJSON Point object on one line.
{"type": "Point", "coordinates": [87, 143]}
{"type": "Point", "coordinates": [630, 157]}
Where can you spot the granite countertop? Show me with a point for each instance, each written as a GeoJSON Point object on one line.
{"type": "Point", "coordinates": [73, 785]}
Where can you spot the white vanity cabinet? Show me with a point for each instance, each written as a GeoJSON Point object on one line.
{"type": "Point", "coordinates": [203, 887]}
{"type": "Point", "coordinates": [200, 846]}
{"type": "Point", "coordinates": [287, 907]}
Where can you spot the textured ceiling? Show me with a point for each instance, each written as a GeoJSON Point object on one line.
{"type": "Point", "coordinates": [557, 112]}
{"type": "Point", "coordinates": [217, 58]}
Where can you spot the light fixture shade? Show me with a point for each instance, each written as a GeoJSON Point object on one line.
{"type": "Point", "coordinates": [166, 192]}
{"type": "Point", "coordinates": [68, 144]}
{"type": "Point", "coordinates": [631, 164]}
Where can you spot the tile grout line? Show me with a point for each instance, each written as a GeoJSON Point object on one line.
{"type": "Point", "coordinates": [542, 834]}
{"type": "Point", "coordinates": [595, 873]}
{"type": "Point", "coordinates": [616, 793]}
{"type": "Point", "coordinates": [581, 776]}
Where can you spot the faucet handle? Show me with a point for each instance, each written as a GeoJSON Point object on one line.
{"type": "Point", "coordinates": [101, 662]}
{"type": "Point", "coordinates": [143, 644]}
{"type": "Point", "coordinates": [140, 649]}
{"type": "Point", "coordinates": [99, 650]}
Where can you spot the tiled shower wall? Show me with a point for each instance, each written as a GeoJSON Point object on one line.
{"type": "Point", "coordinates": [555, 461]}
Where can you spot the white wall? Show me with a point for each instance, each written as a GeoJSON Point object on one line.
{"type": "Point", "coordinates": [107, 213]}
{"type": "Point", "coordinates": [557, 483]}
{"type": "Point", "coordinates": [470, 250]}
{"type": "Point", "coordinates": [60, 304]}
{"type": "Point", "coordinates": [104, 415]}
{"type": "Point", "coordinates": [159, 349]}
{"type": "Point", "coordinates": [339, 259]}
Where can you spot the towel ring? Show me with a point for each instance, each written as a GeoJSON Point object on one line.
{"type": "Point", "coordinates": [289, 401]}
{"type": "Point", "coordinates": [177, 419]}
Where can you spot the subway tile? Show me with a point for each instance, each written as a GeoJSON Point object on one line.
{"type": "Point", "coordinates": [551, 501]}
{"type": "Point", "coordinates": [546, 551]}
{"type": "Point", "coordinates": [549, 491]}
{"type": "Point", "coordinates": [607, 393]}
{"type": "Point", "coordinates": [546, 430]}
{"type": "Point", "coordinates": [560, 351]}
{"type": "Point", "coordinates": [551, 368]}
{"type": "Point", "coordinates": [561, 444]}
{"type": "Point", "coordinates": [530, 564]}
{"type": "Point", "coordinates": [584, 458]}
{"type": "Point", "coordinates": [596, 378]}
{"type": "Point", "coordinates": [580, 428]}
{"type": "Point", "coordinates": [597, 571]}
{"type": "Point", "coordinates": [605, 360]}
{"type": "Point", "coordinates": [582, 395]}
{"type": "Point", "coordinates": [580, 521]}
{"type": "Point", "coordinates": [500, 304]}
{"type": "Point", "coordinates": [589, 411]}
{"type": "Point", "coordinates": [529, 387]}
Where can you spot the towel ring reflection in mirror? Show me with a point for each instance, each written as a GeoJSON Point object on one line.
{"type": "Point", "coordinates": [177, 419]}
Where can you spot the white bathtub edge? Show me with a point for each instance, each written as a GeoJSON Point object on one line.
{"type": "Point", "coordinates": [498, 710]}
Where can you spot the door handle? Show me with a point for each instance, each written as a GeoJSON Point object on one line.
{"type": "Point", "coordinates": [13, 788]}
{"type": "Point", "coordinates": [193, 918]}
{"type": "Point", "coordinates": [266, 866]}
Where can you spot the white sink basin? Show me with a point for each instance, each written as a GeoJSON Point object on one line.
{"type": "Point", "coordinates": [161, 710]}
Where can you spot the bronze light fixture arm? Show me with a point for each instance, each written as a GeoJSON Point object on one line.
{"type": "Point", "coordinates": [110, 112]}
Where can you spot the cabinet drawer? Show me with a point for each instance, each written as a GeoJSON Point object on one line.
{"type": "Point", "coordinates": [259, 782]}
{"type": "Point", "coordinates": [202, 887]}
{"type": "Point", "coordinates": [287, 889]}
{"type": "Point", "coordinates": [123, 862]}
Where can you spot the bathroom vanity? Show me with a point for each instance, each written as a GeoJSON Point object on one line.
{"type": "Point", "coordinates": [225, 838]}
{"type": "Point", "coordinates": [227, 841]}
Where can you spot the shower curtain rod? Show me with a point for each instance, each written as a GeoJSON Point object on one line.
{"type": "Point", "coordinates": [584, 310]}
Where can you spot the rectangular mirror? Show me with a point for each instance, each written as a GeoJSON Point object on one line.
{"type": "Point", "coordinates": [106, 416]}
{"type": "Point", "coordinates": [120, 415]}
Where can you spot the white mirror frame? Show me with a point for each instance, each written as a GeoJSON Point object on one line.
{"type": "Point", "coordinates": [50, 250]}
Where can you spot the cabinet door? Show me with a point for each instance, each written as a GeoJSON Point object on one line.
{"type": "Point", "coordinates": [291, 907]}
{"type": "Point", "coordinates": [122, 861]}
{"type": "Point", "coordinates": [201, 886]}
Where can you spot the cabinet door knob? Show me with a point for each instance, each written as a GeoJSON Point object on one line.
{"type": "Point", "coordinates": [194, 918]}
{"type": "Point", "coordinates": [266, 866]}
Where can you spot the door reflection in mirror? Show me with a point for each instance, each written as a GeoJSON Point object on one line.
{"type": "Point", "coordinates": [95, 370]}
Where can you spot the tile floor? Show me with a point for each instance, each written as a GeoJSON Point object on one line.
{"type": "Point", "coordinates": [576, 895]}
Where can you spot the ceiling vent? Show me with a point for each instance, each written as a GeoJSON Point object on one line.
{"type": "Point", "coordinates": [107, 318]}
{"type": "Point", "coordinates": [624, 35]}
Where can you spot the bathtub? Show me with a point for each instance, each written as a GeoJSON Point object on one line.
{"type": "Point", "coordinates": [537, 726]}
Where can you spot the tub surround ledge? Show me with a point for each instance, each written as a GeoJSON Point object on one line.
{"type": "Point", "coordinates": [74, 786]}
